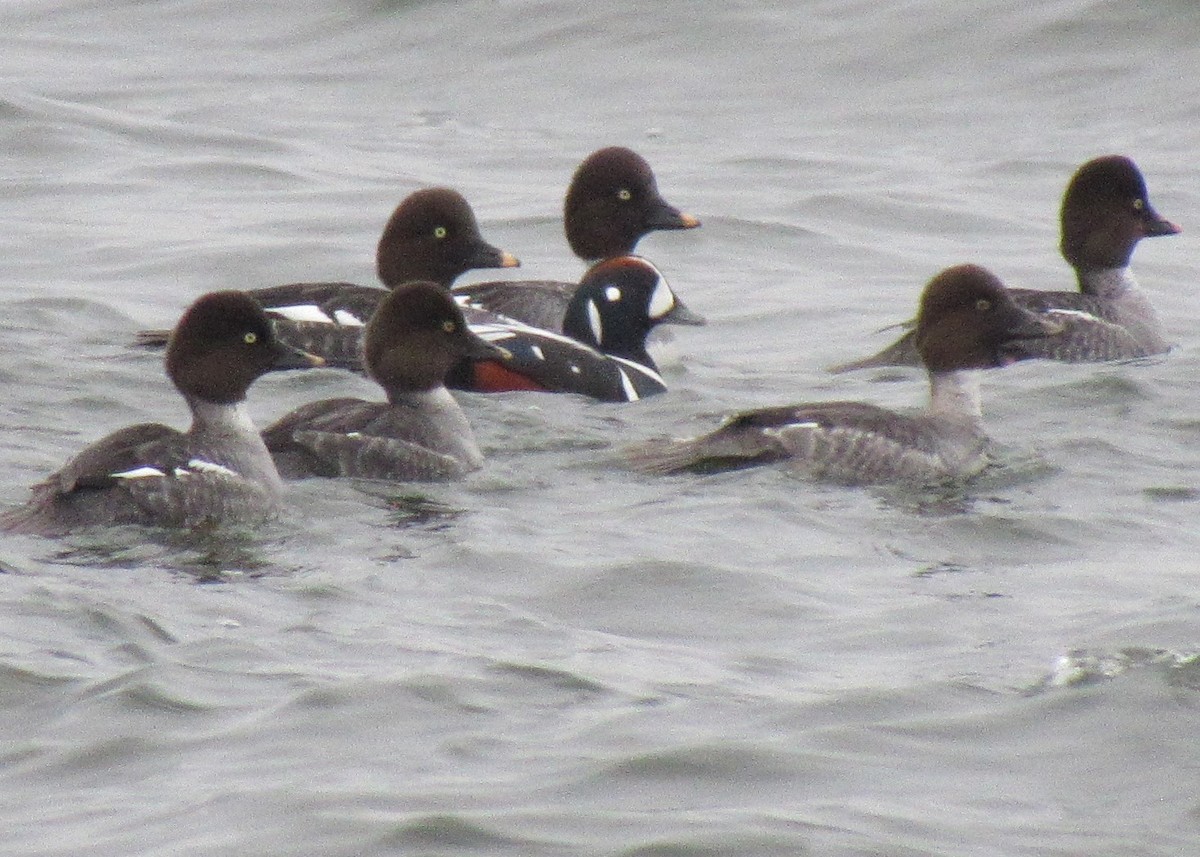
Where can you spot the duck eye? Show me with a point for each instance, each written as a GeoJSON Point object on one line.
{"type": "Point", "coordinates": [439, 232]}
{"type": "Point", "coordinates": [624, 194]}
{"type": "Point", "coordinates": [983, 305]}
{"type": "Point", "coordinates": [448, 326]}
{"type": "Point", "coordinates": [250, 337]}
{"type": "Point", "coordinates": [1139, 204]}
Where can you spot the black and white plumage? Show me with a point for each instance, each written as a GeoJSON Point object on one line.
{"type": "Point", "coordinates": [601, 352]}
{"type": "Point", "coordinates": [432, 235]}
{"type": "Point", "coordinates": [1106, 211]}
{"type": "Point", "coordinates": [612, 203]}
{"type": "Point", "coordinates": [218, 471]}
{"type": "Point", "coordinates": [967, 321]}
{"type": "Point", "coordinates": [420, 433]}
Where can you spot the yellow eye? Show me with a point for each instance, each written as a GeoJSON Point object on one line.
{"type": "Point", "coordinates": [439, 232]}
{"type": "Point", "coordinates": [449, 326]}
{"type": "Point", "coordinates": [983, 305]}
{"type": "Point", "coordinates": [624, 194]}
{"type": "Point", "coordinates": [250, 337]}
{"type": "Point", "coordinates": [1139, 204]}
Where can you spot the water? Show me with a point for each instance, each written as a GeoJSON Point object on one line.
{"type": "Point", "coordinates": [558, 656]}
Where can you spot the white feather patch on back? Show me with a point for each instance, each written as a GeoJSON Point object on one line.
{"type": "Point", "coordinates": [493, 332]}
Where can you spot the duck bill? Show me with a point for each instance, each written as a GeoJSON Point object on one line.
{"type": "Point", "coordinates": [666, 216]}
{"type": "Point", "coordinates": [680, 314]}
{"type": "Point", "coordinates": [487, 256]}
{"type": "Point", "coordinates": [1154, 225]}
{"type": "Point", "coordinates": [288, 357]}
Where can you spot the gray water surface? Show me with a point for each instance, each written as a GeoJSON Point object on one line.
{"type": "Point", "coordinates": [558, 656]}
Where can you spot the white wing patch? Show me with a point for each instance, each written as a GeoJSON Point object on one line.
{"type": "Point", "coordinates": [1075, 313]}
{"type": "Point", "coordinates": [302, 312]}
{"type": "Point", "coordinates": [138, 473]}
{"type": "Point", "coordinates": [537, 352]}
{"type": "Point", "coordinates": [199, 465]}
{"type": "Point", "coordinates": [347, 318]}
{"type": "Point", "coordinates": [612, 294]}
{"type": "Point", "coordinates": [196, 465]}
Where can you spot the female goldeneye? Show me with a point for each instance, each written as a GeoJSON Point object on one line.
{"type": "Point", "coordinates": [967, 320]}
{"type": "Point", "coordinates": [1105, 213]}
{"type": "Point", "coordinates": [612, 203]}
{"type": "Point", "coordinates": [218, 471]}
{"type": "Point", "coordinates": [601, 352]}
{"type": "Point", "coordinates": [432, 235]}
{"type": "Point", "coordinates": [420, 433]}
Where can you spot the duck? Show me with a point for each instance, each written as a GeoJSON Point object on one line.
{"type": "Point", "coordinates": [601, 352]}
{"type": "Point", "coordinates": [967, 321]}
{"type": "Point", "coordinates": [419, 433]}
{"type": "Point", "coordinates": [1105, 212]}
{"type": "Point", "coordinates": [218, 472]}
{"type": "Point", "coordinates": [432, 235]}
{"type": "Point", "coordinates": [612, 202]}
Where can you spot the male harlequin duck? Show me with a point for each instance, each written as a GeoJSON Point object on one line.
{"type": "Point", "coordinates": [602, 352]}
{"type": "Point", "coordinates": [217, 472]}
{"type": "Point", "coordinates": [1105, 213]}
{"type": "Point", "coordinates": [611, 204]}
{"type": "Point", "coordinates": [967, 321]}
{"type": "Point", "coordinates": [420, 433]}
